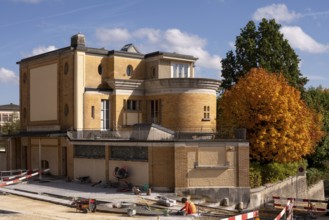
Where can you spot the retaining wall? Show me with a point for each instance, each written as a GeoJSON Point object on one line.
{"type": "Point", "coordinates": [293, 187]}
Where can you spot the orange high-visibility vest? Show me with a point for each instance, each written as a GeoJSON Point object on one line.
{"type": "Point", "coordinates": [190, 208]}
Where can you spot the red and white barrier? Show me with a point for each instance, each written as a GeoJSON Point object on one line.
{"type": "Point", "coordinates": [309, 201]}
{"type": "Point", "coordinates": [287, 208]}
{"type": "Point", "coordinates": [245, 216]}
{"type": "Point", "coordinates": [7, 183]}
{"type": "Point", "coordinates": [300, 200]}
{"type": "Point", "coordinates": [14, 176]}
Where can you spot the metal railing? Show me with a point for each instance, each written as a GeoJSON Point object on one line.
{"type": "Point", "coordinates": [154, 134]}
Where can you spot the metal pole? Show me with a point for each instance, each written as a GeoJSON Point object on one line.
{"type": "Point", "coordinates": [11, 155]}
{"type": "Point", "coordinates": [296, 190]}
{"type": "Point", "coordinates": [40, 171]}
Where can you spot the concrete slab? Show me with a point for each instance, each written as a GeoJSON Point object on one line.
{"type": "Point", "coordinates": [59, 191]}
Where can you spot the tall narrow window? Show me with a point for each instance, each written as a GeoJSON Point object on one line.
{"type": "Point", "coordinates": [155, 113]}
{"type": "Point", "coordinates": [105, 115]}
{"type": "Point", "coordinates": [93, 111]}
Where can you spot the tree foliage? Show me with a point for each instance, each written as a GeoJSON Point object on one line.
{"type": "Point", "coordinates": [280, 126]}
{"type": "Point", "coordinates": [264, 47]}
{"type": "Point", "coordinates": [318, 99]}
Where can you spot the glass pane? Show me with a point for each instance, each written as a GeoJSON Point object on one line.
{"type": "Point", "coordinates": [186, 71]}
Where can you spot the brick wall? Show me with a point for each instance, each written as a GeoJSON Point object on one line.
{"type": "Point", "coordinates": [243, 165]}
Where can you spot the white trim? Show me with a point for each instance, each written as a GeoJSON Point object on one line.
{"type": "Point", "coordinates": [180, 90]}
{"type": "Point", "coordinates": [98, 92]}
{"type": "Point", "coordinates": [128, 92]}
{"type": "Point", "coordinates": [178, 59]}
{"type": "Point", "coordinates": [79, 85]}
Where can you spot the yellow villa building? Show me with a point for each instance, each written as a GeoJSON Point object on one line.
{"type": "Point", "coordinates": [86, 111]}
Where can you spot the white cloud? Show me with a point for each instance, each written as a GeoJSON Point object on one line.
{"type": "Point", "coordinates": [7, 76]}
{"type": "Point", "coordinates": [170, 40]}
{"type": "Point", "coordinates": [279, 12]}
{"type": "Point", "coordinates": [299, 39]}
{"type": "Point", "coordinates": [178, 39]}
{"type": "Point", "coordinates": [108, 36]}
{"type": "Point", "coordinates": [152, 35]}
{"type": "Point", "coordinates": [42, 49]}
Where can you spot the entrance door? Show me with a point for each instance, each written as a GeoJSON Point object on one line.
{"type": "Point", "coordinates": [163, 170]}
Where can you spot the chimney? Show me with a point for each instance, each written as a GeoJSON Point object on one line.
{"type": "Point", "coordinates": [78, 41]}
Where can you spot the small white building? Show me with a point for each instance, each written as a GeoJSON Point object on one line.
{"type": "Point", "coordinates": [8, 113]}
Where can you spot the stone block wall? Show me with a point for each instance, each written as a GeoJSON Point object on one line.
{"type": "Point", "coordinates": [293, 187]}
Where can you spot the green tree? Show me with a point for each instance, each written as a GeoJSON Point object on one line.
{"type": "Point", "coordinates": [318, 99]}
{"type": "Point", "coordinates": [266, 48]}
{"type": "Point", "coordinates": [280, 126]}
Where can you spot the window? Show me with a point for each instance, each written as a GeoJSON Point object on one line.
{"type": "Point", "coordinates": [206, 113]}
{"type": "Point", "coordinates": [129, 70]}
{"type": "Point", "coordinates": [44, 164]}
{"type": "Point", "coordinates": [105, 115]}
{"type": "Point", "coordinates": [66, 68]}
{"type": "Point", "coordinates": [5, 117]}
{"type": "Point", "coordinates": [93, 111]}
{"type": "Point", "coordinates": [24, 77]}
{"type": "Point", "coordinates": [83, 151]}
{"type": "Point", "coordinates": [100, 69]}
{"type": "Point", "coordinates": [10, 117]}
{"type": "Point", "coordinates": [180, 70]}
{"type": "Point", "coordinates": [155, 111]}
{"type": "Point", "coordinates": [66, 109]}
{"type": "Point", "coordinates": [132, 105]}
{"type": "Point", "coordinates": [153, 72]}
{"type": "Point", "coordinates": [129, 153]}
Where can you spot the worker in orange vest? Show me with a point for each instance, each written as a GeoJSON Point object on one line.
{"type": "Point", "coordinates": [189, 207]}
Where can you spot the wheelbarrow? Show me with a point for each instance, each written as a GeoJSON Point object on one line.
{"type": "Point", "coordinates": [85, 205]}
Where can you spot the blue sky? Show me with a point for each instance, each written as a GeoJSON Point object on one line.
{"type": "Point", "coordinates": [204, 28]}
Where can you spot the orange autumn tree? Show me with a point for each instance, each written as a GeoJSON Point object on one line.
{"type": "Point", "coordinates": [280, 127]}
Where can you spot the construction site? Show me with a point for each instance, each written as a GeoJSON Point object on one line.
{"type": "Point", "coordinates": [26, 196]}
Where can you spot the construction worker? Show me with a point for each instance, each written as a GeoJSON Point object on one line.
{"type": "Point", "coordinates": [189, 207]}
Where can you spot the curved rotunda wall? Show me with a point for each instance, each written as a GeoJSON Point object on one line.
{"type": "Point", "coordinates": [186, 104]}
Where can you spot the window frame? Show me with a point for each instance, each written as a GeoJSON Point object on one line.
{"type": "Point", "coordinates": [206, 113]}
{"type": "Point", "coordinates": [105, 121]}
{"type": "Point", "coordinates": [100, 69]}
{"type": "Point", "coordinates": [132, 153]}
{"type": "Point", "coordinates": [180, 70]}
{"type": "Point", "coordinates": [129, 70]}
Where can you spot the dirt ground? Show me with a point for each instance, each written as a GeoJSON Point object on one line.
{"type": "Point", "coordinates": [20, 208]}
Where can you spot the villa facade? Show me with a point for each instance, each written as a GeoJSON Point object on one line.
{"type": "Point", "coordinates": [86, 111]}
